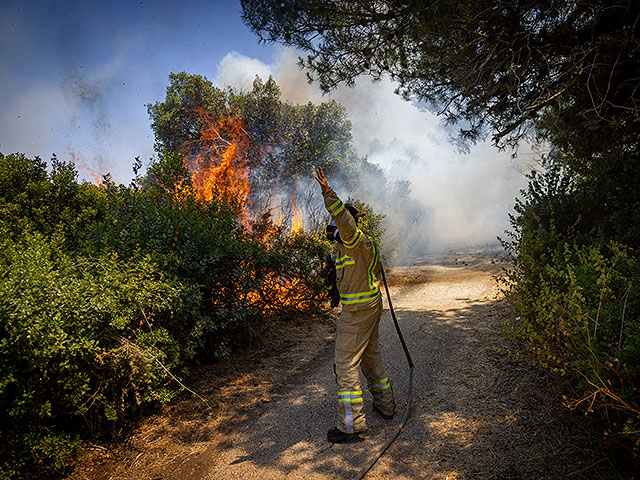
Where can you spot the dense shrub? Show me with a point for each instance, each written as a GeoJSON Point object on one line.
{"type": "Point", "coordinates": [577, 291]}
{"type": "Point", "coordinates": [80, 339]}
{"type": "Point", "coordinates": [108, 293]}
{"type": "Point", "coordinates": [33, 198]}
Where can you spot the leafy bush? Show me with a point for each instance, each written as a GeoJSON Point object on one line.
{"type": "Point", "coordinates": [106, 290]}
{"type": "Point", "coordinates": [79, 339]}
{"type": "Point", "coordinates": [32, 198]}
{"type": "Point", "coordinates": [578, 296]}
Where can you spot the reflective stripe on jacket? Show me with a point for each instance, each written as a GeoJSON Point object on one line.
{"type": "Point", "coordinates": [357, 259]}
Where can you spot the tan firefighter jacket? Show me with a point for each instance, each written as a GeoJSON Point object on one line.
{"type": "Point", "coordinates": [356, 259]}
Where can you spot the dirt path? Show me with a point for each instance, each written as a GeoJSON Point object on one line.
{"type": "Point", "coordinates": [477, 413]}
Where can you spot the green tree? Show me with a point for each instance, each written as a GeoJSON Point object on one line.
{"type": "Point", "coordinates": [495, 63]}
{"type": "Point", "coordinates": [263, 112]}
{"type": "Point", "coordinates": [177, 122]}
{"type": "Point", "coordinates": [286, 140]}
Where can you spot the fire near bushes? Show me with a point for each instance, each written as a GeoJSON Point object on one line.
{"type": "Point", "coordinates": [563, 74]}
{"type": "Point", "coordinates": [109, 292]}
{"type": "Point", "coordinates": [105, 290]}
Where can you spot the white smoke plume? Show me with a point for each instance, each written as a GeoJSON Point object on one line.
{"type": "Point", "coordinates": [466, 196]}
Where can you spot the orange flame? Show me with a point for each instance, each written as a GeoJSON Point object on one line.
{"type": "Point", "coordinates": [278, 292]}
{"type": "Point", "coordinates": [296, 220]}
{"type": "Point", "coordinates": [96, 175]}
{"type": "Point", "coordinates": [220, 168]}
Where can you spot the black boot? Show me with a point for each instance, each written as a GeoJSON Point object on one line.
{"type": "Point", "coordinates": [383, 415]}
{"type": "Point", "coordinates": [338, 436]}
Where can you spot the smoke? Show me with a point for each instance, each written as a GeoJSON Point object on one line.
{"type": "Point", "coordinates": [455, 198]}
{"type": "Point", "coordinates": [89, 94]}
{"type": "Point", "coordinates": [92, 99]}
{"type": "Point", "coordinates": [67, 88]}
{"type": "Point", "coordinates": [81, 115]}
{"type": "Point", "coordinates": [239, 71]}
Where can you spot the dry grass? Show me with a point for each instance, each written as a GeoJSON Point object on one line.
{"type": "Point", "coordinates": [234, 390]}
{"type": "Point", "coordinates": [481, 414]}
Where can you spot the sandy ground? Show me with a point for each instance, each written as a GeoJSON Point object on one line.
{"type": "Point", "coordinates": [477, 413]}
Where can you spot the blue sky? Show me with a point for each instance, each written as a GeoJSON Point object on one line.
{"type": "Point", "coordinates": [75, 77]}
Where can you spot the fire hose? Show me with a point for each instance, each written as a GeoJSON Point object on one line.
{"type": "Point", "coordinates": [384, 448]}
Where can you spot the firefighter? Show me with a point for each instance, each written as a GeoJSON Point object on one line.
{"type": "Point", "coordinates": [356, 262]}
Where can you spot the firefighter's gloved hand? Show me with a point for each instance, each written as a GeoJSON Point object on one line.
{"type": "Point", "coordinates": [329, 265]}
{"type": "Point", "coordinates": [334, 295]}
{"type": "Point", "coordinates": [325, 271]}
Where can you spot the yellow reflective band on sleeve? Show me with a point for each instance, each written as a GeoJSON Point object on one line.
{"type": "Point", "coordinates": [342, 261]}
{"type": "Point", "coordinates": [354, 241]}
{"type": "Point", "coordinates": [335, 204]}
{"type": "Point", "coordinates": [336, 207]}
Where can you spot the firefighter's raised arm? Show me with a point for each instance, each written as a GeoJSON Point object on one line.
{"type": "Point", "coordinates": [345, 222]}
{"type": "Point", "coordinates": [322, 180]}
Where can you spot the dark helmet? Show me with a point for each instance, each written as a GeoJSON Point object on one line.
{"type": "Point", "coordinates": [353, 211]}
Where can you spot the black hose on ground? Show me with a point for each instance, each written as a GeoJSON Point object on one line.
{"type": "Point", "coordinates": [384, 448]}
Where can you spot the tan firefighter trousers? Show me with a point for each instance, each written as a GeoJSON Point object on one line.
{"type": "Point", "coordinates": [357, 346]}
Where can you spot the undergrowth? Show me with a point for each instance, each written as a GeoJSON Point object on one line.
{"type": "Point", "coordinates": [577, 292]}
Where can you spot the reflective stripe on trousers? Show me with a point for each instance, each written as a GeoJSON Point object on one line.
{"type": "Point", "coordinates": [382, 384]}
{"type": "Point", "coordinates": [347, 398]}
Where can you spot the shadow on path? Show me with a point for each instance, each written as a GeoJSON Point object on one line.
{"type": "Point", "coordinates": [476, 414]}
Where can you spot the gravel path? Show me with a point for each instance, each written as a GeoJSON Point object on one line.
{"type": "Point", "coordinates": [477, 413]}
{"type": "Point", "coordinates": [288, 439]}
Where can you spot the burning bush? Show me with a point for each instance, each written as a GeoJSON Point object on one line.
{"type": "Point", "coordinates": [105, 290]}
{"type": "Point", "coordinates": [109, 292]}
